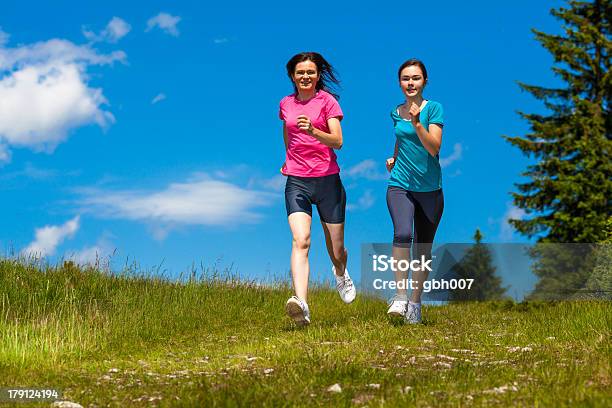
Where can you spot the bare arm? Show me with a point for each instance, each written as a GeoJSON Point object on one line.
{"type": "Point", "coordinates": [286, 140]}
{"type": "Point", "coordinates": [285, 137]}
{"type": "Point", "coordinates": [391, 160]}
{"type": "Point", "coordinates": [332, 139]}
{"type": "Point", "coordinates": [431, 140]}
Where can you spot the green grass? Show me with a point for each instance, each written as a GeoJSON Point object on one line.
{"type": "Point", "coordinates": [127, 340]}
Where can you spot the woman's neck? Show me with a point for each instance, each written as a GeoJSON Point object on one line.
{"type": "Point", "coordinates": [416, 99]}
{"type": "Point", "coordinates": [306, 95]}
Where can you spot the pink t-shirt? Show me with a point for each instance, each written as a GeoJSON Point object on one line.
{"type": "Point", "coordinates": [306, 156]}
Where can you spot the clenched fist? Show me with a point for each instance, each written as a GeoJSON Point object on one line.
{"type": "Point", "coordinates": [415, 111]}
{"type": "Point", "coordinates": [303, 122]}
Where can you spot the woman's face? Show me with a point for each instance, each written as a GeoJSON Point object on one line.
{"type": "Point", "coordinates": [306, 76]}
{"type": "Point", "coordinates": [412, 81]}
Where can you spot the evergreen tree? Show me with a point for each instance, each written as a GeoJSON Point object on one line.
{"type": "Point", "coordinates": [477, 264]}
{"type": "Point", "coordinates": [599, 283]}
{"type": "Point", "coordinates": [569, 195]}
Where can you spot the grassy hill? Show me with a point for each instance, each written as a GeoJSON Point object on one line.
{"type": "Point", "coordinates": [125, 340]}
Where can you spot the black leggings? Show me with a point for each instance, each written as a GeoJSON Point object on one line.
{"type": "Point", "coordinates": [421, 210]}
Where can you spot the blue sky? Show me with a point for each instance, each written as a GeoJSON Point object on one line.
{"type": "Point", "coordinates": [151, 131]}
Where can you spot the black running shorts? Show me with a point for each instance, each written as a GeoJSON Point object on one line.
{"type": "Point", "coordinates": [326, 192]}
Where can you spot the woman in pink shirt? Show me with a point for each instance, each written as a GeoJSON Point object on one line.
{"type": "Point", "coordinates": [311, 129]}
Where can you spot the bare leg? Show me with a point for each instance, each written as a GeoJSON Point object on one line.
{"type": "Point", "coordinates": [334, 240]}
{"type": "Point", "coordinates": [300, 222]}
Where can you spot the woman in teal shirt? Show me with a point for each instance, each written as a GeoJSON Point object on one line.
{"type": "Point", "coordinates": [414, 195]}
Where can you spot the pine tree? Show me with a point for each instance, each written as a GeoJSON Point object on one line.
{"type": "Point", "coordinates": [599, 283]}
{"type": "Point", "coordinates": [569, 195]}
{"type": "Point", "coordinates": [477, 264]}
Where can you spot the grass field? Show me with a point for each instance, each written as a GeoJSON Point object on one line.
{"type": "Point", "coordinates": [129, 341]}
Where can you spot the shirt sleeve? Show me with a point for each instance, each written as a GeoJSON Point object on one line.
{"type": "Point", "coordinates": [392, 114]}
{"type": "Point", "coordinates": [332, 109]}
{"type": "Point", "coordinates": [436, 114]}
{"type": "Point", "coordinates": [280, 110]}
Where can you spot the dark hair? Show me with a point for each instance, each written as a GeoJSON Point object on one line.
{"type": "Point", "coordinates": [412, 61]}
{"type": "Point", "coordinates": [328, 80]}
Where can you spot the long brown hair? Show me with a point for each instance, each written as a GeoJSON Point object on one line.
{"type": "Point", "coordinates": [328, 78]}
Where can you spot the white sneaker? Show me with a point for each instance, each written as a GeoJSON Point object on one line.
{"type": "Point", "coordinates": [298, 310]}
{"type": "Point", "coordinates": [413, 313]}
{"type": "Point", "coordinates": [397, 307]}
{"type": "Point", "coordinates": [345, 286]}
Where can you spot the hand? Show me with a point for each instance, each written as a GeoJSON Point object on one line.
{"type": "Point", "coordinates": [303, 122]}
{"type": "Point", "coordinates": [390, 163]}
{"type": "Point", "coordinates": [283, 168]}
{"type": "Point", "coordinates": [415, 111]}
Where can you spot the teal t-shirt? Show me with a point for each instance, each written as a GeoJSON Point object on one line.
{"type": "Point", "coordinates": [415, 169]}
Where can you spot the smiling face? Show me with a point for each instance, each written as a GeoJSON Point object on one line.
{"type": "Point", "coordinates": [412, 81]}
{"type": "Point", "coordinates": [306, 76]}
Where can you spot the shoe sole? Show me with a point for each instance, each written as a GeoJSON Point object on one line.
{"type": "Point", "coordinates": [295, 312]}
{"type": "Point", "coordinates": [395, 314]}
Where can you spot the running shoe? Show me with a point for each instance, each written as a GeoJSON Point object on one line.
{"type": "Point", "coordinates": [397, 307]}
{"type": "Point", "coordinates": [345, 286]}
{"type": "Point", "coordinates": [298, 310]}
{"type": "Point", "coordinates": [413, 313]}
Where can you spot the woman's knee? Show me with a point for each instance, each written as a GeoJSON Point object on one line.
{"type": "Point", "coordinates": [301, 242]}
{"type": "Point", "coordinates": [402, 236]}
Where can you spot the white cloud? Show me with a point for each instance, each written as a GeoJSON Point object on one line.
{"type": "Point", "coordinates": [275, 183]}
{"type": "Point", "coordinates": [55, 51]}
{"type": "Point", "coordinates": [38, 105]}
{"type": "Point", "coordinates": [95, 255]}
{"type": "Point", "coordinates": [116, 29]}
{"type": "Point", "coordinates": [365, 201]}
{"type": "Point", "coordinates": [165, 22]}
{"type": "Point", "coordinates": [368, 169]}
{"type": "Point", "coordinates": [506, 230]}
{"type": "Point", "coordinates": [455, 155]}
{"type": "Point", "coordinates": [158, 98]}
{"type": "Point", "coordinates": [49, 237]}
{"type": "Point", "coordinates": [44, 94]}
{"type": "Point", "coordinates": [198, 201]}
{"type": "Point", "coordinates": [88, 256]}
